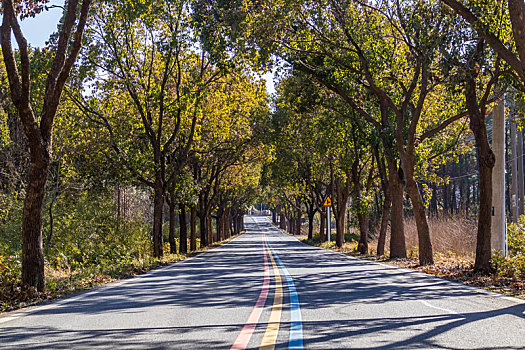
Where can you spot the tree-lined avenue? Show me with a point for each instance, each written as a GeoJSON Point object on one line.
{"type": "Point", "coordinates": [205, 302]}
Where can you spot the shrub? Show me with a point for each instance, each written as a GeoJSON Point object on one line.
{"type": "Point", "coordinates": [516, 236]}
{"type": "Point", "coordinates": [512, 266]}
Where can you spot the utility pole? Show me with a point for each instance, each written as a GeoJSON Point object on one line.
{"type": "Point", "coordinates": [329, 224]}
{"type": "Point", "coordinates": [519, 155]}
{"type": "Point", "coordinates": [498, 177]}
{"type": "Point", "coordinates": [514, 171]}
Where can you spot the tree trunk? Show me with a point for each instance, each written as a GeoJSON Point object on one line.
{"type": "Point", "coordinates": [483, 247]}
{"type": "Point", "coordinates": [32, 244]}
{"type": "Point", "coordinates": [364, 221]}
{"type": "Point", "coordinates": [282, 221]}
{"type": "Point", "coordinates": [158, 209]}
{"type": "Point", "coordinates": [362, 216]}
{"type": "Point", "coordinates": [203, 226]}
{"type": "Point", "coordinates": [340, 227]}
{"type": "Point", "coordinates": [38, 131]}
{"type": "Point", "coordinates": [385, 217]}
{"type": "Point", "coordinates": [171, 236]}
{"type": "Point", "coordinates": [322, 227]}
{"type": "Point", "coordinates": [227, 220]}
{"type": "Point", "coordinates": [118, 208]}
{"type": "Point", "coordinates": [397, 230]}
{"type": "Point", "coordinates": [224, 223]}
{"type": "Point", "coordinates": [218, 226]}
{"type": "Point", "coordinates": [211, 237]}
{"type": "Point", "coordinates": [298, 222]}
{"type": "Point", "coordinates": [311, 216]}
{"type": "Point", "coordinates": [235, 223]}
{"type": "Point", "coordinates": [423, 232]}
{"type": "Point", "coordinates": [183, 231]}
{"type": "Point", "coordinates": [486, 161]}
{"type": "Point", "coordinates": [193, 228]}
{"type": "Point", "coordinates": [342, 193]}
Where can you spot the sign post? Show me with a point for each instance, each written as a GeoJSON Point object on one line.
{"type": "Point", "coordinates": [328, 203]}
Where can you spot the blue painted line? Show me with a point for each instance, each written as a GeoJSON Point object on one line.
{"type": "Point", "coordinates": [296, 322]}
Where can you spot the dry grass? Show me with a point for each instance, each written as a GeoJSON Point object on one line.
{"type": "Point", "coordinates": [448, 235]}
{"type": "Point", "coordinates": [454, 243]}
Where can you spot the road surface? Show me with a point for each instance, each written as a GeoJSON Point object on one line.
{"type": "Point", "coordinates": [266, 289]}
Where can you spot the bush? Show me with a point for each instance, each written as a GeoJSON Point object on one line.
{"type": "Point", "coordinates": [10, 271]}
{"type": "Point", "coordinates": [512, 266]}
{"type": "Point", "coordinates": [516, 236]}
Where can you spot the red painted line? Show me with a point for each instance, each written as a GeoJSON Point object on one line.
{"type": "Point", "coordinates": [246, 333]}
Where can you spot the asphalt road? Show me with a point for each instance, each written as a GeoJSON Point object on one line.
{"type": "Point", "coordinates": [266, 288]}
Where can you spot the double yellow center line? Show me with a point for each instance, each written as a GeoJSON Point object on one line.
{"type": "Point", "coordinates": [272, 329]}
{"type": "Point", "coordinates": [281, 276]}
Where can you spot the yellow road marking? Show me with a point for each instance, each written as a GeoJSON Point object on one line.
{"type": "Point", "coordinates": [272, 329]}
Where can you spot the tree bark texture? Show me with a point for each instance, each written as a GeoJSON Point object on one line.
{"type": "Point", "coordinates": [211, 237]}
{"type": "Point", "coordinates": [183, 231]}
{"type": "Point", "coordinates": [385, 217]}
{"type": "Point", "coordinates": [423, 232]}
{"type": "Point", "coordinates": [171, 236]}
{"type": "Point", "coordinates": [362, 216]}
{"type": "Point", "coordinates": [311, 216]}
{"type": "Point", "coordinates": [158, 211]}
{"type": "Point", "coordinates": [397, 230]}
{"type": "Point", "coordinates": [193, 228]}
{"type": "Point", "coordinates": [202, 227]}
{"type": "Point", "coordinates": [282, 221]}
{"type": "Point", "coordinates": [298, 222]}
{"type": "Point", "coordinates": [32, 244]}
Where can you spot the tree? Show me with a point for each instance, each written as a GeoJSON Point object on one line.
{"type": "Point", "coordinates": [38, 126]}
{"type": "Point", "coordinates": [501, 30]}
{"type": "Point", "coordinates": [155, 80]}
{"type": "Point", "coordinates": [227, 130]}
{"type": "Point", "coordinates": [491, 24]}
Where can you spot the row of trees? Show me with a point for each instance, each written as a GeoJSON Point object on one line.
{"type": "Point", "coordinates": [145, 107]}
{"type": "Point", "coordinates": [382, 94]}
{"type": "Point", "coordinates": [377, 97]}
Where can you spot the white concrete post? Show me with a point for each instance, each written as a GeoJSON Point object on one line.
{"type": "Point", "coordinates": [498, 177]}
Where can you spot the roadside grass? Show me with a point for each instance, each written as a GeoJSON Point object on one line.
{"type": "Point", "coordinates": [454, 243]}
{"type": "Point", "coordinates": [63, 280]}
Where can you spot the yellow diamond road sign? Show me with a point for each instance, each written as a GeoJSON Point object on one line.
{"type": "Point", "coordinates": [327, 202]}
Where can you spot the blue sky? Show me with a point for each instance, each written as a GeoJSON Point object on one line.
{"type": "Point", "coordinates": [37, 30]}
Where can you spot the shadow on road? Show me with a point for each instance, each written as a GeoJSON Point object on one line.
{"type": "Point", "coordinates": [230, 277]}
{"type": "Point", "coordinates": [327, 279]}
{"type": "Point", "coordinates": [134, 338]}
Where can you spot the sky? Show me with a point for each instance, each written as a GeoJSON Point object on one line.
{"type": "Point", "coordinates": [37, 31]}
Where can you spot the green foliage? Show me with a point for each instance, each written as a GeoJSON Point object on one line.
{"type": "Point", "coordinates": [4, 131]}
{"type": "Point", "coordinates": [86, 233]}
{"type": "Point", "coordinates": [513, 266]}
{"type": "Point", "coordinates": [516, 236]}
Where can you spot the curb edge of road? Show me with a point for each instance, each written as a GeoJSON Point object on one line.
{"type": "Point", "coordinates": [50, 304]}
{"type": "Point", "coordinates": [418, 273]}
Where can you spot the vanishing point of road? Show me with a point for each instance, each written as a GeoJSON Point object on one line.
{"type": "Point", "coordinates": [267, 290]}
